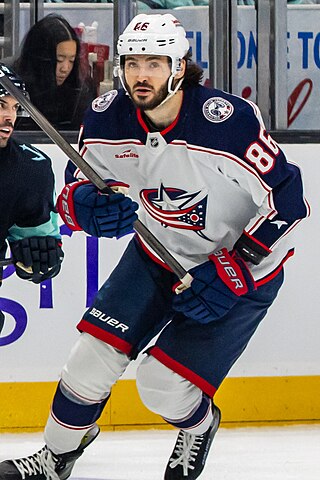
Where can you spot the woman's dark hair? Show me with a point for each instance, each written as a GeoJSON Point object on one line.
{"type": "Point", "coordinates": [63, 105]}
{"type": "Point", "coordinates": [38, 58]}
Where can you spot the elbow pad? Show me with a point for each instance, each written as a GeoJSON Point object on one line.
{"type": "Point", "coordinates": [250, 250]}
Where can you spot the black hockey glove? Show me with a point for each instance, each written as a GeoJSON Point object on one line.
{"type": "Point", "coordinates": [37, 258]}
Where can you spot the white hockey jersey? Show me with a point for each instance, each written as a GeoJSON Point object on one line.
{"type": "Point", "coordinates": [212, 175]}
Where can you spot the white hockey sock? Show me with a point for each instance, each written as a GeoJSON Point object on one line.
{"type": "Point", "coordinates": [63, 438]}
{"type": "Point", "coordinates": [198, 421]}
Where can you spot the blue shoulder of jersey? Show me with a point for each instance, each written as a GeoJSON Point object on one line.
{"type": "Point", "coordinates": [107, 115]}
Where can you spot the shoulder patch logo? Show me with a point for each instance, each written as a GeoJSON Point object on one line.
{"type": "Point", "coordinates": [217, 109]}
{"type": "Point", "coordinates": [101, 103]}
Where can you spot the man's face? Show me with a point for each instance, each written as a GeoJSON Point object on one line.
{"type": "Point", "coordinates": [146, 78]}
{"type": "Point", "coordinates": [8, 114]}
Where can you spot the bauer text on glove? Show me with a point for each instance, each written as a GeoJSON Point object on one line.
{"type": "Point", "coordinates": [216, 287]}
{"type": "Point", "coordinates": [37, 258]}
{"type": "Point", "coordinates": [83, 207]}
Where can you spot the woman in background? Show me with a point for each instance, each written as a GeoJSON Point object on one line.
{"type": "Point", "coordinates": [49, 64]}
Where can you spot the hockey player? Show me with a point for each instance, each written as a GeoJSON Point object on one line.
{"type": "Point", "coordinates": [28, 218]}
{"type": "Point", "coordinates": [215, 188]}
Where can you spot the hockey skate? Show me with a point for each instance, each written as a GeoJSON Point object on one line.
{"type": "Point", "coordinates": [190, 452]}
{"type": "Point", "coordinates": [45, 465]}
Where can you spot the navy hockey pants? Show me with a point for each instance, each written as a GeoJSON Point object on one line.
{"type": "Point", "coordinates": [134, 306]}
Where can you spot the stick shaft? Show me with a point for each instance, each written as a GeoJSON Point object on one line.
{"type": "Point", "coordinates": [90, 173]}
{"type": "Point", "coordinates": [5, 262]}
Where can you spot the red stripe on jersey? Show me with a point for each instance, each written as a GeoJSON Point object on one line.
{"type": "Point", "coordinates": [257, 241]}
{"type": "Point", "coordinates": [227, 155]}
{"type": "Point", "coordinates": [145, 126]}
{"type": "Point", "coordinates": [277, 270]}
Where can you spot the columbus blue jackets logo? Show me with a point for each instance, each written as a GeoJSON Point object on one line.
{"type": "Point", "coordinates": [217, 109]}
{"type": "Point", "coordinates": [101, 103]}
{"type": "Point", "coordinates": [177, 208]}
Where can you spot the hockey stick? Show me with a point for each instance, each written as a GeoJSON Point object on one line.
{"type": "Point", "coordinates": [184, 277]}
{"type": "Point", "coordinates": [5, 262]}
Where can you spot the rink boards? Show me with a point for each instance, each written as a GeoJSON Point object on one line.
{"type": "Point", "coordinates": [277, 379]}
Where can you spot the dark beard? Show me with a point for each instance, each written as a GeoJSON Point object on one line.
{"type": "Point", "coordinates": [152, 104]}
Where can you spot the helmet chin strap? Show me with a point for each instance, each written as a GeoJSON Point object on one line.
{"type": "Point", "coordinates": [171, 91]}
{"type": "Point", "coordinates": [121, 76]}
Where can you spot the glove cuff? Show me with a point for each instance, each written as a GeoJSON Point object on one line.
{"type": "Point", "coordinates": [65, 204]}
{"type": "Point", "coordinates": [230, 272]}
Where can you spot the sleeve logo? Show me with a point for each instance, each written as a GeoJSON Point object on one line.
{"type": "Point", "coordinates": [217, 109]}
{"type": "Point", "coordinates": [101, 103]}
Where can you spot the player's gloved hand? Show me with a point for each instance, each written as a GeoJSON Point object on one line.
{"type": "Point", "coordinates": [216, 287]}
{"type": "Point", "coordinates": [83, 207]}
{"type": "Point", "coordinates": [37, 258]}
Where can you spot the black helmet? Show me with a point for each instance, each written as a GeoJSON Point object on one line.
{"type": "Point", "coordinates": [17, 81]}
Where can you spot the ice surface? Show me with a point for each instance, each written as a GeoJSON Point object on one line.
{"type": "Point", "coordinates": [263, 453]}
